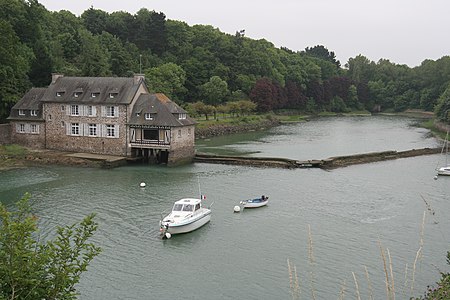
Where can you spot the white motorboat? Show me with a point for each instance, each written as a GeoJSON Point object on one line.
{"type": "Point", "coordinates": [257, 202]}
{"type": "Point", "coordinates": [187, 215]}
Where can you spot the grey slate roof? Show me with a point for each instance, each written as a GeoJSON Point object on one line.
{"type": "Point", "coordinates": [123, 88]}
{"type": "Point", "coordinates": [165, 112]}
{"type": "Point", "coordinates": [30, 101]}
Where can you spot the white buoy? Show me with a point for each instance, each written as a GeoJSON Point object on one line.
{"type": "Point", "coordinates": [237, 208]}
{"type": "Point", "coordinates": [435, 177]}
{"type": "Point", "coordinates": [142, 184]}
{"type": "Point", "coordinates": [168, 235]}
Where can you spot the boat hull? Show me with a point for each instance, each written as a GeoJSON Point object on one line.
{"type": "Point", "coordinates": [444, 171]}
{"type": "Point", "coordinates": [174, 228]}
{"type": "Point", "coordinates": [248, 204]}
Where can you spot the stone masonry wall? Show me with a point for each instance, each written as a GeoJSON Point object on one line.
{"type": "Point", "coordinates": [58, 139]}
{"type": "Point", "coordinates": [182, 145]}
{"type": "Point", "coordinates": [30, 140]}
{"type": "Point", "coordinates": [5, 134]}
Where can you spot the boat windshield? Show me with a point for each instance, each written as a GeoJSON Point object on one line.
{"type": "Point", "coordinates": [177, 207]}
{"type": "Point", "coordinates": [188, 207]}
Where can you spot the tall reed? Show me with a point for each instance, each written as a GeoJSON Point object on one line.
{"type": "Point", "coordinates": [293, 281]}
{"type": "Point", "coordinates": [311, 262]}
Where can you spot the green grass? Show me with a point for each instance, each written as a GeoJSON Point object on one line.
{"type": "Point", "coordinates": [429, 124]}
{"type": "Point", "coordinates": [13, 150]}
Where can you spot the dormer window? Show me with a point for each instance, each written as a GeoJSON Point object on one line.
{"type": "Point", "coordinates": [95, 94]}
{"type": "Point", "coordinates": [33, 112]}
{"type": "Point", "coordinates": [138, 114]}
{"type": "Point", "coordinates": [21, 112]}
{"type": "Point", "coordinates": [149, 116]}
{"type": "Point", "coordinates": [77, 94]}
{"type": "Point", "coordinates": [60, 94]}
{"type": "Point", "coordinates": [182, 116]}
{"type": "Point", "coordinates": [113, 95]}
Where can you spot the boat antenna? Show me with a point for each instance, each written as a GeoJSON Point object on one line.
{"type": "Point", "coordinates": [199, 190]}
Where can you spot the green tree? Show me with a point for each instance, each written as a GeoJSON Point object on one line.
{"type": "Point", "coordinates": [30, 269]}
{"type": "Point", "coordinates": [94, 20]}
{"type": "Point", "coordinates": [120, 61]}
{"type": "Point", "coordinates": [246, 106]}
{"type": "Point", "coordinates": [93, 59]}
{"type": "Point", "coordinates": [215, 90]}
{"type": "Point", "coordinates": [15, 59]}
{"type": "Point", "coordinates": [321, 52]}
{"type": "Point", "coordinates": [443, 105]}
{"type": "Point", "coordinates": [353, 97]}
{"type": "Point", "coordinates": [168, 78]}
{"type": "Point", "coordinates": [360, 69]}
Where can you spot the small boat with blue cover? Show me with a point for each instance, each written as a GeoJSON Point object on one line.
{"type": "Point", "coordinates": [257, 202]}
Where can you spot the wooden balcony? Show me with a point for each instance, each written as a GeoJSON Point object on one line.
{"type": "Point", "coordinates": [151, 144]}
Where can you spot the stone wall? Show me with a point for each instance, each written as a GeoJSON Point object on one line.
{"type": "Point", "coordinates": [5, 134]}
{"type": "Point", "coordinates": [59, 138]}
{"type": "Point", "coordinates": [182, 148]}
{"type": "Point", "coordinates": [27, 139]}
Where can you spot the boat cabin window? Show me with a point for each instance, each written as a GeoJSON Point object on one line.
{"type": "Point", "coordinates": [177, 207]}
{"type": "Point", "coordinates": [188, 207]}
{"type": "Point", "coordinates": [197, 207]}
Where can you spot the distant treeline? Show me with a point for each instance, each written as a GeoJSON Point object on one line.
{"type": "Point", "coordinates": [201, 63]}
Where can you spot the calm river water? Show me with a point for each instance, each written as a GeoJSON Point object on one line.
{"type": "Point", "coordinates": [350, 212]}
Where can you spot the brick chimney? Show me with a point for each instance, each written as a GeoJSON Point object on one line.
{"type": "Point", "coordinates": [55, 77]}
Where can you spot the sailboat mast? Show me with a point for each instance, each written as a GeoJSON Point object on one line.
{"type": "Point", "coordinates": [446, 150]}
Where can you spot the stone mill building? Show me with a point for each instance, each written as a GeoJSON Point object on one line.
{"type": "Point", "coordinates": [104, 115]}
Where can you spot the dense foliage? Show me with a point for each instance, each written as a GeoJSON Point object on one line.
{"type": "Point", "coordinates": [31, 269]}
{"type": "Point", "coordinates": [201, 63]}
{"type": "Point", "coordinates": [442, 288]}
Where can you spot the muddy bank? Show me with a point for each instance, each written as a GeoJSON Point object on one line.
{"type": "Point", "coordinates": [34, 158]}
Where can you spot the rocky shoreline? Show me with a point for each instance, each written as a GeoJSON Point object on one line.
{"type": "Point", "coordinates": [225, 129]}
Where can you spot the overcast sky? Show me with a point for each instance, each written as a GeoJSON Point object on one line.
{"type": "Point", "coordinates": [403, 31]}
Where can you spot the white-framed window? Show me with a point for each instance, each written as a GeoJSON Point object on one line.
{"type": "Point", "coordinates": [60, 94]}
{"type": "Point", "coordinates": [21, 112]}
{"type": "Point", "coordinates": [149, 116]}
{"type": "Point", "coordinates": [110, 130]}
{"type": "Point", "coordinates": [34, 128]}
{"type": "Point", "coordinates": [113, 95]}
{"type": "Point", "coordinates": [22, 128]}
{"type": "Point", "coordinates": [93, 130]}
{"type": "Point", "coordinates": [95, 95]}
{"type": "Point", "coordinates": [77, 94]}
{"type": "Point", "coordinates": [110, 111]}
{"type": "Point", "coordinates": [74, 110]}
{"type": "Point", "coordinates": [182, 116]}
{"type": "Point", "coordinates": [33, 112]}
{"type": "Point", "coordinates": [91, 111]}
{"type": "Point", "coordinates": [75, 129]}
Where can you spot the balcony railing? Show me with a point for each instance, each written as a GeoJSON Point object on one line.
{"type": "Point", "coordinates": [150, 143]}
